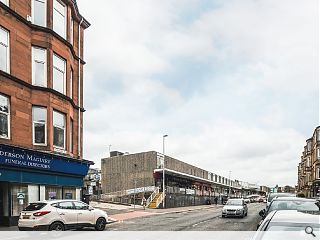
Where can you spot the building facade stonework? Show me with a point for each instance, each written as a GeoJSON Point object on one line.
{"type": "Point", "coordinates": [309, 167]}
{"type": "Point", "coordinates": [41, 103]}
{"type": "Point", "coordinates": [129, 176]}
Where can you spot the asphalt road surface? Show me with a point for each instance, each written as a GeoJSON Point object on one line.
{"type": "Point", "coordinates": [198, 220]}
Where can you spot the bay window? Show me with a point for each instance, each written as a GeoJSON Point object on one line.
{"type": "Point", "coordinates": [39, 122]}
{"type": "Point", "coordinates": [4, 117]}
{"type": "Point", "coordinates": [39, 67]}
{"type": "Point", "coordinates": [39, 12]}
{"type": "Point", "coordinates": [59, 18]}
{"type": "Point", "coordinates": [59, 74]}
{"type": "Point", "coordinates": [4, 50]}
{"type": "Point", "coordinates": [59, 130]}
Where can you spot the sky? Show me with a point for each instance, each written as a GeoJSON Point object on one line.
{"type": "Point", "coordinates": [233, 83]}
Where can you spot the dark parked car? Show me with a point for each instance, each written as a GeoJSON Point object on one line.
{"type": "Point", "coordinates": [291, 203]}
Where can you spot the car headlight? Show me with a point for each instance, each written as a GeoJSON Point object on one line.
{"type": "Point", "coordinates": [224, 210]}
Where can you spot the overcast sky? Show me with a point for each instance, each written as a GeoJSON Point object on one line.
{"type": "Point", "coordinates": [233, 83]}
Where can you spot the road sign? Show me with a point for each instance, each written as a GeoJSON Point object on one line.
{"type": "Point", "coordinates": [21, 195]}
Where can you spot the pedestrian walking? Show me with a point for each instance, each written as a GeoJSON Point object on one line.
{"type": "Point", "coordinates": [144, 203]}
{"type": "Point", "coordinates": [216, 200]}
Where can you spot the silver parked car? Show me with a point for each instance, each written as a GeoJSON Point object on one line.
{"type": "Point", "coordinates": [235, 207]}
{"type": "Point", "coordinates": [290, 203]}
{"type": "Point", "coordinates": [289, 224]}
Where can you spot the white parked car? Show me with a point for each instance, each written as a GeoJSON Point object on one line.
{"type": "Point", "coordinates": [235, 207]}
{"type": "Point", "coordinates": [60, 215]}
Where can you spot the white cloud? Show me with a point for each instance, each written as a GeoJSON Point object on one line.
{"type": "Point", "coordinates": [255, 50]}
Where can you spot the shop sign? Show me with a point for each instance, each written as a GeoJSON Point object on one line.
{"type": "Point", "coordinates": [190, 191]}
{"type": "Point", "coordinates": [14, 157]}
{"type": "Point", "coordinates": [21, 195]}
{"type": "Point", "coordinates": [140, 190]}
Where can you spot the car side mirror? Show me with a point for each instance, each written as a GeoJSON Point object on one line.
{"type": "Point", "coordinates": [262, 213]}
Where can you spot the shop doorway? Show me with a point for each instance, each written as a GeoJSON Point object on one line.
{"type": "Point", "coordinates": [2, 198]}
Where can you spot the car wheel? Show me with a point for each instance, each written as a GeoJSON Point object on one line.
{"type": "Point", "coordinates": [100, 224]}
{"type": "Point", "coordinates": [57, 226]}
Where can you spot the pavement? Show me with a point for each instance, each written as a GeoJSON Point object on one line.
{"type": "Point", "coordinates": [138, 212]}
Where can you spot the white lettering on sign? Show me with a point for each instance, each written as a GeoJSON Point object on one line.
{"type": "Point", "coordinates": [25, 160]}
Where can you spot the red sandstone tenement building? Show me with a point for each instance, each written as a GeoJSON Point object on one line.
{"type": "Point", "coordinates": [309, 167]}
{"type": "Point", "coordinates": [41, 103]}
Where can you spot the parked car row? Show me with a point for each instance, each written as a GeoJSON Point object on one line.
{"type": "Point", "coordinates": [60, 215]}
{"type": "Point", "coordinates": [290, 215]}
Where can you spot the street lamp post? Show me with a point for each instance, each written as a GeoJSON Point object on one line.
{"type": "Point", "coordinates": [135, 186]}
{"type": "Point", "coordinates": [163, 171]}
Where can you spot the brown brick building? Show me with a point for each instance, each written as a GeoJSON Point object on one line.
{"type": "Point", "coordinates": [309, 167]}
{"type": "Point", "coordinates": [124, 176]}
{"type": "Point", "coordinates": [41, 102]}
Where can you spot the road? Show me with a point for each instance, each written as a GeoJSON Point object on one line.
{"type": "Point", "coordinates": [198, 220]}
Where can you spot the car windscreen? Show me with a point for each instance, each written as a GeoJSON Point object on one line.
{"type": "Point", "coordinates": [292, 227]}
{"type": "Point", "coordinates": [34, 206]}
{"type": "Point", "coordinates": [295, 205]}
{"type": "Point", "coordinates": [273, 195]}
{"type": "Point", "coordinates": [235, 202]}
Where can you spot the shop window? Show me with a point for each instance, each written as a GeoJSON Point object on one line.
{"type": "Point", "coordinates": [59, 18]}
{"type": "Point", "coordinates": [39, 119]}
{"type": "Point", "coordinates": [59, 130]}
{"type": "Point", "coordinates": [53, 193]}
{"type": "Point", "coordinates": [39, 67]}
{"type": "Point", "coordinates": [69, 193]}
{"type": "Point", "coordinates": [4, 117]}
{"type": "Point", "coordinates": [39, 12]}
{"type": "Point", "coordinates": [4, 50]}
{"type": "Point", "coordinates": [59, 74]}
{"type": "Point", "coordinates": [19, 198]}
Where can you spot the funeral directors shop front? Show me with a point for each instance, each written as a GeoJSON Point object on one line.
{"type": "Point", "coordinates": [28, 176]}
